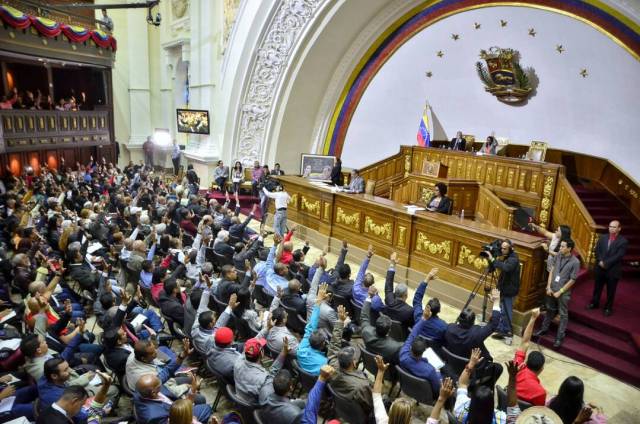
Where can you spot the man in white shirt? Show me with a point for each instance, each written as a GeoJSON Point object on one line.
{"type": "Point", "coordinates": [282, 199]}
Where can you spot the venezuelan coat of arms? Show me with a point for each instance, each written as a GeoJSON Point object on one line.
{"type": "Point", "coordinates": [503, 76]}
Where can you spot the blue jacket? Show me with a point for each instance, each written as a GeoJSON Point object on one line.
{"type": "Point", "coordinates": [360, 292]}
{"type": "Point", "coordinates": [420, 368]}
{"type": "Point", "coordinates": [49, 392]}
{"type": "Point", "coordinates": [310, 359]}
{"type": "Point", "coordinates": [434, 328]}
{"type": "Point", "coordinates": [152, 411]}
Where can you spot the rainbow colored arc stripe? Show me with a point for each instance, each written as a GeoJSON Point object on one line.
{"type": "Point", "coordinates": [595, 13]}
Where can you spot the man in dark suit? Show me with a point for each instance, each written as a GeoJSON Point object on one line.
{"type": "Point", "coordinates": [170, 302]}
{"type": "Point", "coordinates": [64, 409]}
{"type": "Point", "coordinates": [458, 142]}
{"type": "Point", "coordinates": [610, 249]}
{"type": "Point", "coordinates": [395, 300]}
{"type": "Point", "coordinates": [152, 402]}
{"type": "Point", "coordinates": [376, 338]}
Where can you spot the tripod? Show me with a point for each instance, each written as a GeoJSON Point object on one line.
{"type": "Point", "coordinates": [486, 281]}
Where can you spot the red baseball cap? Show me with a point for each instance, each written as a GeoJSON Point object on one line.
{"type": "Point", "coordinates": [224, 336]}
{"type": "Point", "coordinates": [253, 347]}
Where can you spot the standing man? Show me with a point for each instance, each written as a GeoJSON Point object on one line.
{"type": "Point", "coordinates": [147, 148]}
{"type": "Point", "coordinates": [610, 249]}
{"type": "Point", "coordinates": [282, 199]}
{"type": "Point", "coordinates": [458, 142]}
{"type": "Point", "coordinates": [509, 285]}
{"type": "Point", "coordinates": [561, 279]}
{"type": "Point", "coordinates": [175, 157]}
{"type": "Point", "coordinates": [221, 175]}
{"type": "Point", "coordinates": [106, 23]}
{"type": "Point", "coordinates": [256, 177]}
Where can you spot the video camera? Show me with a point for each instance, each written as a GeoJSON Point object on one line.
{"type": "Point", "coordinates": [495, 248]}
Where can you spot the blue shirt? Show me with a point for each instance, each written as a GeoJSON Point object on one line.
{"type": "Point", "coordinates": [360, 292]}
{"type": "Point", "coordinates": [310, 415]}
{"type": "Point", "coordinates": [420, 368]}
{"type": "Point", "coordinates": [310, 359]}
{"type": "Point", "coordinates": [273, 280]}
{"type": "Point", "coordinates": [325, 278]}
{"type": "Point", "coordinates": [48, 393]}
{"type": "Point", "coordinates": [434, 328]}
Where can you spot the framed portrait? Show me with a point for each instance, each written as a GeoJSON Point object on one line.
{"type": "Point", "coordinates": [316, 167]}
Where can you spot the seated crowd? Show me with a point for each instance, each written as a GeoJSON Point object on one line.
{"type": "Point", "coordinates": [174, 279]}
{"type": "Point", "coordinates": [36, 100]}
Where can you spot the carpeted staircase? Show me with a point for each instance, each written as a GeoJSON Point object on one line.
{"type": "Point", "coordinates": [608, 344]}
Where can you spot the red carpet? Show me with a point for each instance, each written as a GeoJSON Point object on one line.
{"type": "Point", "coordinates": [608, 344]}
{"type": "Point", "coordinates": [246, 202]}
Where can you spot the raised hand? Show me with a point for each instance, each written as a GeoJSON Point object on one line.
{"type": "Point", "coordinates": [382, 367]}
{"type": "Point", "coordinates": [447, 389]}
{"type": "Point", "coordinates": [370, 251]}
{"type": "Point", "coordinates": [426, 314]}
{"type": "Point", "coordinates": [326, 373]}
{"type": "Point", "coordinates": [345, 245]}
{"type": "Point", "coordinates": [495, 295]}
{"type": "Point", "coordinates": [432, 274]}
{"type": "Point", "coordinates": [285, 346]}
{"type": "Point", "coordinates": [475, 358]}
{"type": "Point", "coordinates": [233, 301]}
{"type": "Point", "coordinates": [279, 292]}
{"type": "Point", "coordinates": [394, 257]}
{"type": "Point", "coordinates": [105, 378]}
{"type": "Point", "coordinates": [126, 298]}
{"type": "Point", "coordinates": [535, 313]}
{"type": "Point", "coordinates": [584, 415]}
{"type": "Point", "coordinates": [187, 349]}
{"type": "Point", "coordinates": [322, 293]}
{"type": "Point", "coordinates": [342, 313]}
{"type": "Point", "coordinates": [68, 309]}
{"type": "Point", "coordinates": [512, 369]}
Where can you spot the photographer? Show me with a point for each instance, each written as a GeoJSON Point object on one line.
{"type": "Point", "coordinates": [508, 284]}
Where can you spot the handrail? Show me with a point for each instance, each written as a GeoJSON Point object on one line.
{"type": "Point", "coordinates": [569, 209]}
{"type": "Point", "coordinates": [488, 199]}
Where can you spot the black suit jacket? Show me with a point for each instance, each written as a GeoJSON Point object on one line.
{"type": "Point", "coordinates": [462, 144]}
{"type": "Point", "coordinates": [611, 255]}
{"type": "Point", "coordinates": [443, 206]}
{"type": "Point", "coordinates": [117, 359]}
{"type": "Point", "coordinates": [52, 416]}
{"type": "Point", "coordinates": [386, 347]}
{"type": "Point", "coordinates": [172, 308]}
{"type": "Point", "coordinates": [461, 341]}
{"type": "Point", "coordinates": [295, 301]}
{"type": "Point", "coordinates": [396, 309]}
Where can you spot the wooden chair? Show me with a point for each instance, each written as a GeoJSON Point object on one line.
{"type": "Point", "coordinates": [370, 187]}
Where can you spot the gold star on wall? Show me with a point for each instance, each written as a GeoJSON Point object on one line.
{"type": "Point", "coordinates": [559, 48]}
{"type": "Point", "coordinates": [440, 53]}
{"type": "Point", "coordinates": [476, 25]}
{"type": "Point", "coordinates": [584, 73]}
{"type": "Point", "coordinates": [503, 23]}
{"type": "Point", "coordinates": [532, 32]}
{"type": "Point", "coordinates": [428, 74]}
{"type": "Point", "coordinates": [455, 37]}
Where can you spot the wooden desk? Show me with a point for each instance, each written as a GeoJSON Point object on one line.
{"type": "Point", "coordinates": [422, 241]}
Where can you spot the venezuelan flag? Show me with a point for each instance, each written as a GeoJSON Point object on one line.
{"type": "Point", "coordinates": [423, 136]}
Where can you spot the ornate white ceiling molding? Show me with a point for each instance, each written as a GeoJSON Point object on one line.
{"type": "Point", "coordinates": [275, 49]}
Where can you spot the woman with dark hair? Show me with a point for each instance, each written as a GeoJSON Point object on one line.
{"type": "Point", "coordinates": [237, 176]}
{"type": "Point", "coordinates": [53, 231]}
{"type": "Point", "coordinates": [569, 404]}
{"type": "Point", "coordinates": [490, 147]}
{"type": "Point", "coordinates": [243, 310]}
{"type": "Point", "coordinates": [439, 201]}
{"type": "Point", "coordinates": [562, 233]}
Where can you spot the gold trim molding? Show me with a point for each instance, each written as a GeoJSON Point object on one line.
{"type": "Point", "coordinates": [545, 203]}
{"type": "Point", "coordinates": [402, 231]}
{"type": "Point", "coordinates": [351, 220]}
{"type": "Point", "coordinates": [380, 230]}
{"type": "Point", "coordinates": [465, 255]}
{"type": "Point", "coordinates": [423, 244]}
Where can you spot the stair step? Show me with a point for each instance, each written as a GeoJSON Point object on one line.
{"type": "Point", "coordinates": [601, 360]}
{"type": "Point", "coordinates": [616, 346]}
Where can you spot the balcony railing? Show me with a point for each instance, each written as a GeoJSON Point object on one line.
{"type": "Point", "coordinates": [22, 130]}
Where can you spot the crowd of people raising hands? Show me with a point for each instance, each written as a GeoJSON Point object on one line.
{"type": "Point", "coordinates": [37, 100]}
{"type": "Point", "coordinates": [173, 279]}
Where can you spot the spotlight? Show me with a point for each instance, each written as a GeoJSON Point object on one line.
{"type": "Point", "coordinates": [161, 137]}
{"type": "Point", "coordinates": [151, 21]}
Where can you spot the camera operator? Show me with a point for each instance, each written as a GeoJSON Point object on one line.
{"type": "Point", "coordinates": [508, 284]}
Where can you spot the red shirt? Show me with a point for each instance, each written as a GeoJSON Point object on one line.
{"type": "Point", "coordinates": [528, 385]}
{"type": "Point", "coordinates": [287, 257]}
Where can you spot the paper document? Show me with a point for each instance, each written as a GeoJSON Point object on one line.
{"type": "Point", "coordinates": [7, 317]}
{"type": "Point", "coordinates": [11, 344]}
{"type": "Point", "coordinates": [433, 358]}
{"type": "Point", "coordinates": [94, 248]}
{"type": "Point", "coordinates": [138, 321]}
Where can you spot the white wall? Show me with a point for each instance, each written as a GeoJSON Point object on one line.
{"type": "Point", "coordinates": [598, 115]}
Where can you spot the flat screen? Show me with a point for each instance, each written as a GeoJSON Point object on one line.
{"type": "Point", "coordinates": [193, 121]}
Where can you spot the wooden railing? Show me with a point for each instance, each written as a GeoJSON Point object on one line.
{"type": "Point", "coordinates": [492, 209]}
{"type": "Point", "coordinates": [569, 210]}
{"type": "Point", "coordinates": [22, 130]}
{"type": "Point", "coordinates": [387, 171]}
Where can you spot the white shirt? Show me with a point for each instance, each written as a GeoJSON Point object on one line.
{"type": "Point", "coordinates": [282, 198]}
